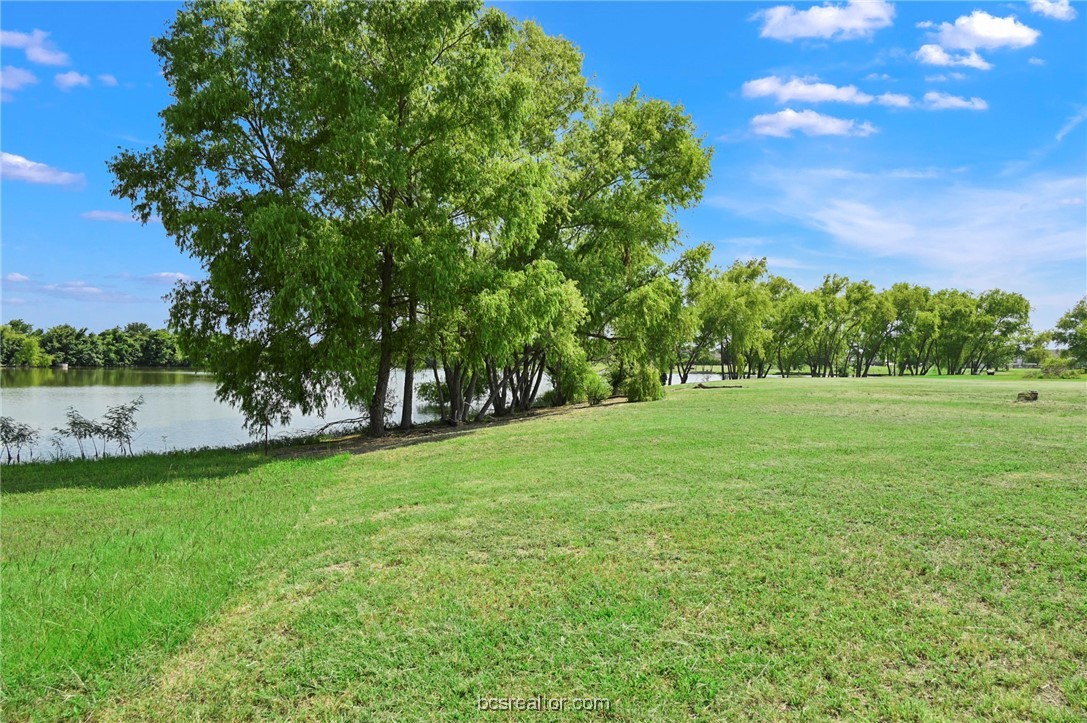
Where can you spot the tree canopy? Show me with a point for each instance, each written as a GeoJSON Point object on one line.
{"type": "Point", "coordinates": [1071, 333]}
{"type": "Point", "coordinates": [133, 345]}
{"type": "Point", "coordinates": [413, 184]}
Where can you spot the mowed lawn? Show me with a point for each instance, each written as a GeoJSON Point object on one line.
{"type": "Point", "coordinates": [795, 549]}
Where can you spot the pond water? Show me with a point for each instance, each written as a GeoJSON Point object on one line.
{"type": "Point", "coordinates": [179, 411]}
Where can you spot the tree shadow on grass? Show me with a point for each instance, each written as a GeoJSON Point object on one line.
{"type": "Point", "coordinates": [122, 472]}
{"type": "Point", "coordinates": [215, 464]}
{"type": "Point", "coordinates": [423, 434]}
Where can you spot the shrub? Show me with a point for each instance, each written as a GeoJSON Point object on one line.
{"type": "Point", "coordinates": [15, 435]}
{"type": "Point", "coordinates": [596, 389]}
{"type": "Point", "coordinates": [119, 424]}
{"type": "Point", "coordinates": [429, 393]}
{"type": "Point", "coordinates": [644, 385]}
{"type": "Point", "coordinates": [1059, 368]}
{"type": "Point", "coordinates": [552, 398]}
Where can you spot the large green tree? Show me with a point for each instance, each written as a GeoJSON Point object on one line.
{"type": "Point", "coordinates": [874, 317]}
{"type": "Point", "coordinates": [911, 345]}
{"type": "Point", "coordinates": [69, 345]}
{"type": "Point", "coordinates": [21, 346]}
{"type": "Point", "coordinates": [1071, 333]}
{"type": "Point", "coordinates": [325, 161]}
{"type": "Point", "coordinates": [365, 183]}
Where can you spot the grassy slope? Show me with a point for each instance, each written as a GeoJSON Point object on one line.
{"type": "Point", "coordinates": [886, 547]}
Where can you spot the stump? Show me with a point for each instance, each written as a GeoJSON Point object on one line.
{"type": "Point", "coordinates": [1031, 396]}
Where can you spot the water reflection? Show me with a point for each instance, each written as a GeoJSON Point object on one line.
{"type": "Point", "coordinates": [12, 378]}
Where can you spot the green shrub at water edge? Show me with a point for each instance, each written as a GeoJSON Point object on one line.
{"type": "Point", "coordinates": [596, 389]}
{"type": "Point", "coordinates": [644, 385]}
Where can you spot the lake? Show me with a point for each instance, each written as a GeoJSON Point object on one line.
{"type": "Point", "coordinates": [179, 411]}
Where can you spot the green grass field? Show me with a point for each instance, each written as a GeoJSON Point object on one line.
{"type": "Point", "coordinates": [904, 549]}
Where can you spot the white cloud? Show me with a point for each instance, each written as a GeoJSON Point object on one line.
{"type": "Point", "coordinates": [79, 289]}
{"type": "Point", "coordinates": [855, 19]}
{"type": "Point", "coordinates": [71, 79]}
{"type": "Point", "coordinates": [12, 78]}
{"type": "Point", "coordinates": [1056, 9]}
{"type": "Point", "coordinates": [166, 278]}
{"type": "Point", "coordinates": [944, 77]}
{"type": "Point", "coordinates": [783, 262]}
{"type": "Point", "coordinates": [18, 168]}
{"type": "Point", "coordinates": [878, 76]}
{"type": "Point", "coordinates": [981, 31]}
{"type": "Point", "coordinates": [784, 122]}
{"type": "Point", "coordinates": [932, 54]}
{"type": "Point", "coordinates": [1036, 61]}
{"type": "Point", "coordinates": [977, 31]}
{"type": "Point", "coordinates": [1071, 123]}
{"type": "Point", "coordinates": [37, 46]}
{"type": "Point", "coordinates": [946, 101]}
{"type": "Point", "coordinates": [83, 291]}
{"type": "Point", "coordinates": [107, 80]}
{"type": "Point", "coordinates": [115, 216]}
{"type": "Point", "coordinates": [894, 100]}
{"type": "Point", "coordinates": [810, 90]}
{"type": "Point", "coordinates": [804, 90]}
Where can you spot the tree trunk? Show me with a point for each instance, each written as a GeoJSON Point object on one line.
{"type": "Point", "coordinates": [536, 386]}
{"type": "Point", "coordinates": [496, 388]}
{"type": "Point", "coordinates": [456, 394]}
{"type": "Point", "coordinates": [385, 358]}
{"type": "Point", "coordinates": [439, 388]}
{"type": "Point", "coordinates": [468, 397]}
{"type": "Point", "coordinates": [409, 392]}
{"type": "Point", "coordinates": [381, 389]}
{"type": "Point", "coordinates": [409, 371]}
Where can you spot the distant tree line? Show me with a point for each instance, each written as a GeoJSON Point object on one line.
{"type": "Point", "coordinates": [752, 322]}
{"type": "Point", "coordinates": [133, 345]}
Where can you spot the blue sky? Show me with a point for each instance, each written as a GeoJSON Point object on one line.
{"type": "Point", "coordinates": [936, 143]}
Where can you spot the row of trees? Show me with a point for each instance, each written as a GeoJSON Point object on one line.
{"type": "Point", "coordinates": [751, 322]}
{"type": "Point", "coordinates": [135, 344]}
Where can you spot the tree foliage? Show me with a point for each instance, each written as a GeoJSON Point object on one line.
{"type": "Point", "coordinates": [134, 345]}
{"type": "Point", "coordinates": [419, 184]}
{"type": "Point", "coordinates": [1071, 334]}
{"type": "Point", "coordinates": [758, 321]}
